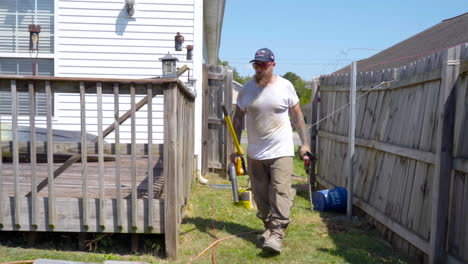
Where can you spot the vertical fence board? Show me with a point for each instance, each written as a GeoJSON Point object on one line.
{"type": "Point", "coordinates": [84, 156]}
{"type": "Point", "coordinates": [205, 130]}
{"type": "Point", "coordinates": [461, 119]}
{"type": "Point", "coordinates": [455, 224]}
{"type": "Point", "coordinates": [443, 168]}
{"type": "Point", "coordinates": [50, 157]}
{"type": "Point", "coordinates": [424, 226]}
{"type": "Point", "coordinates": [15, 152]}
{"type": "Point", "coordinates": [179, 151]}
{"type": "Point", "coordinates": [464, 219]}
{"type": "Point", "coordinates": [32, 146]}
{"type": "Point", "coordinates": [418, 193]}
{"type": "Point", "coordinates": [228, 144]}
{"type": "Point", "coordinates": [191, 171]}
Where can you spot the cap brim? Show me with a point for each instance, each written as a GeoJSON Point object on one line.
{"type": "Point", "coordinates": [260, 60]}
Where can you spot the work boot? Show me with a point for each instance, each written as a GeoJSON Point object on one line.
{"type": "Point", "coordinates": [263, 237]}
{"type": "Point", "coordinates": [273, 243]}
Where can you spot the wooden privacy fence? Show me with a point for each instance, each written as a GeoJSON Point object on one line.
{"type": "Point", "coordinates": [411, 157]}
{"type": "Point", "coordinates": [217, 90]}
{"type": "Point", "coordinates": [89, 185]}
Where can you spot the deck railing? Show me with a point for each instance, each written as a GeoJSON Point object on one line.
{"type": "Point", "coordinates": [90, 197]}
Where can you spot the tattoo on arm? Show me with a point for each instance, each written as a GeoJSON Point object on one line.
{"type": "Point", "coordinates": [238, 122]}
{"type": "Point", "coordinates": [299, 124]}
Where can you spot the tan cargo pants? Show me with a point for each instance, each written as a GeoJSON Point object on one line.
{"type": "Point", "coordinates": [271, 184]}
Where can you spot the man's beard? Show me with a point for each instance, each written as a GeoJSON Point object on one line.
{"type": "Point", "coordinates": [263, 78]}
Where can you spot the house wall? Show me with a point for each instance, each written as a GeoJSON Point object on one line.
{"type": "Point", "coordinates": [95, 38]}
{"type": "Point", "coordinates": [198, 60]}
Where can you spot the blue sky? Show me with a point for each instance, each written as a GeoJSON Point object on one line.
{"type": "Point", "coordinates": [312, 38]}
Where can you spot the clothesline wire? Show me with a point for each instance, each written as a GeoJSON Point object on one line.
{"type": "Point", "coordinates": [347, 104]}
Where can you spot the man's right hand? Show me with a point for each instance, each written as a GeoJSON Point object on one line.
{"type": "Point", "coordinates": [233, 157]}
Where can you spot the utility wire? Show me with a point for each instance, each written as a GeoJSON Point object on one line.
{"type": "Point", "coordinates": [347, 104]}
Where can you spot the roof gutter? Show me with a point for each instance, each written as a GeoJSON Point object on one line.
{"type": "Point", "coordinates": [213, 13]}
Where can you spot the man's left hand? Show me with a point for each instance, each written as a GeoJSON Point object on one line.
{"type": "Point", "coordinates": [303, 150]}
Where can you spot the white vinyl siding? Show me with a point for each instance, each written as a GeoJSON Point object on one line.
{"type": "Point", "coordinates": [15, 17]}
{"type": "Point", "coordinates": [95, 38]}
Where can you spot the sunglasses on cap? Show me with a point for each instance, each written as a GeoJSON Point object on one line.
{"type": "Point", "coordinates": [262, 66]}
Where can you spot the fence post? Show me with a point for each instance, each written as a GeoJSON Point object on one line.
{"type": "Point", "coordinates": [228, 144]}
{"type": "Point", "coordinates": [443, 165]}
{"type": "Point", "coordinates": [313, 132]}
{"type": "Point", "coordinates": [352, 130]}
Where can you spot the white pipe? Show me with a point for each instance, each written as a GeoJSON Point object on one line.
{"type": "Point", "coordinates": [200, 178]}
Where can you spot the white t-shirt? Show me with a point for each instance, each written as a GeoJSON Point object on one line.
{"type": "Point", "coordinates": [267, 112]}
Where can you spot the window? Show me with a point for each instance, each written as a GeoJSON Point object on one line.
{"type": "Point", "coordinates": [12, 66]}
{"type": "Point", "coordinates": [15, 17]}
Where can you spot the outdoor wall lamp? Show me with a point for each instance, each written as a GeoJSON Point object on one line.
{"type": "Point", "coordinates": [179, 39]}
{"type": "Point", "coordinates": [189, 52]}
{"type": "Point", "coordinates": [169, 66]}
{"type": "Point", "coordinates": [130, 9]}
{"type": "Point", "coordinates": [34, 31]}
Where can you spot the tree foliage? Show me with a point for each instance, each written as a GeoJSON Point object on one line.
{"type": "Point", "coordinates": [303, 93]}
{"type": "Point", "coordinates": [235, 74]}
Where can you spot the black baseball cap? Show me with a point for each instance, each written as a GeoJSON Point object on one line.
{"type": "Point", "coordinates": [265, 55]}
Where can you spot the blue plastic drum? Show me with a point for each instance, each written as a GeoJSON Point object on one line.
{"type": "Point", "coordinates": [319, 200]}
{"type": "Point", "coordinates": [330, 200]}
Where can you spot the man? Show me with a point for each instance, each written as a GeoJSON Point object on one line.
{"type": "Point", "coordinates": [266, 101]}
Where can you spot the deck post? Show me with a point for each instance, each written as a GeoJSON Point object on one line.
{"type": "Point", "coordinates": [171, 203]}
{"type": "Point", "coordinates": [444, 160]}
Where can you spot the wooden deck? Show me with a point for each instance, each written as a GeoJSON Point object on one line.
{"type": "Point", "coordinates": [68, 192]}
{"type": "Point", "coordinates": [128, 195]}
{"type": "Point", "coordinates": [69, 183]}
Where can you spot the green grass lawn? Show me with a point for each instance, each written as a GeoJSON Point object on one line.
{"type": "Point", "coordinates": [312, 237]}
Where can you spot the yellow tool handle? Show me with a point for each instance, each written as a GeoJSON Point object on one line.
{"type": "Point", "coordinates": [233, 132]}
{"type": "Point", "coordinates": [239, 168]}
